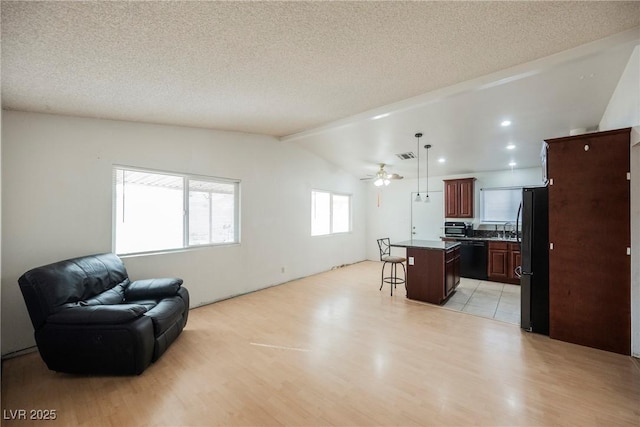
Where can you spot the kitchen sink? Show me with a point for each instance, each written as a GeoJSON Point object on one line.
{"type": "Point", "coordinates": [503, 239]}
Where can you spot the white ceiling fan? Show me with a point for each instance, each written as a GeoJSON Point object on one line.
{"type": "Point", "coordinates": [382, 177]}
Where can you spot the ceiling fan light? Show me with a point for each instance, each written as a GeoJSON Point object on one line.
{"type": "Point", "coordinates": [378, 182]}
{"type": "Point", "coordinates": [386, 181]}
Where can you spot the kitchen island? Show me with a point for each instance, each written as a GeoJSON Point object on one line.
{"type": "Point", "coordinates": [433, 269]}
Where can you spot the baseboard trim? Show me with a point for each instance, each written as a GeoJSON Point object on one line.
{"type": "Point", "coordinates": [20, 352]}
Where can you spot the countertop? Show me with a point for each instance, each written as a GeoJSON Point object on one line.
{"type": "Point", "coordinates": [426, 244]}
{"type": "Point", "coordinates": [488, 239]}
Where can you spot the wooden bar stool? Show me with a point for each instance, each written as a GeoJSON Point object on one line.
{"type": "Point", "coordinates": [385, 256]}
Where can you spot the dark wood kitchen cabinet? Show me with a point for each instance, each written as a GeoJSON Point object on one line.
{"type": "Point", "coordinates": [451, 270]}
{"type": "Point", "coordinates": [433, 269]}
{"type": "Point", "coordinates": [590, 237]}
{"type": "Point", "coordinates": [458, 198]}
{"type": "Point", "coordinates": [503, 259]}
{"type": "Point", "coordinates": [498, 268]}
{"type": "Point", "coordinates": [515, 261]}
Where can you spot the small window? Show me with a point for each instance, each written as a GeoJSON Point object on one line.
{"type": "Point", "coordinates": [500, 204]}
{"type": "Point", "coordinates": [158, 211]}
{"type": "Point", "coordinates": [330, 213]}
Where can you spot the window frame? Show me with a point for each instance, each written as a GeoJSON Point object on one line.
{"type": "Point", "coordinates": [331, 212]}
{"type": "Point", "coordinates": [186, 177]}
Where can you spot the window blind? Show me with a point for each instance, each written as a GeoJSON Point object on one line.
{"type": "Point", "coordinates": [500, 204]}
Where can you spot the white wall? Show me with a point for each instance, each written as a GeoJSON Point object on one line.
{"type": "Point", "coordinates": [624, 107]}
{"type": "Point", "coordinates": [57, 191]}
{"type": "Point", "coordinates": [392, 217]}
{"type": "Point", "coordinates": [624, 111]}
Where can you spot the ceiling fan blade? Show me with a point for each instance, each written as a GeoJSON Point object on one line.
{"type": "Point", "coordinates": [382, 176]}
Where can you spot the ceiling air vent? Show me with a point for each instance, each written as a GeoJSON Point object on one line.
{"type": "Point", "coordinates": [406, 156]}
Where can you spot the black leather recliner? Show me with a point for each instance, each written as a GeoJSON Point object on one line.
{"type": "Point", "coordinates": [90, 318]}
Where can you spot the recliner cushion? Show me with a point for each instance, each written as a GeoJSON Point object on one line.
{"type": "Point", "coordinates": [114, 295]}
{"type": "Point", "coordinates": [166, 313]}
{"type": "Point", "coordinates": [152, 288]}
{"type": "Point", "coordinates": [98, 314]}
{"type": "Point", "coordinates": [148, 303]}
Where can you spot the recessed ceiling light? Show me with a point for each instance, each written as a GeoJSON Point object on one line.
{"type": "Point", "coordinates": [442, 160]}
{"type": "Point", "coordinates": [512, 164]}
{"type": "Point", "coordinates": [379, 116]}
{"type": "Point", "coordinates": [505, 123]}
{"type": "Point", "coordinates": [511, 147]}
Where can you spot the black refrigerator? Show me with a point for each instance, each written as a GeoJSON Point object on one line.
{"type": "Point", "coordinates": [534, 282]}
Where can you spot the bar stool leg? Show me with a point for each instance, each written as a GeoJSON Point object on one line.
{"type": "Point", "coordinates": [393, 264]}
{"type": "Point", "coordinates": [405, 276]}
{"type": "Point", "coordinates": [393, 279]}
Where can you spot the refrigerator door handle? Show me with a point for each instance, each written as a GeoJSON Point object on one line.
{"type": "Point", "coordinates": [517, 221]}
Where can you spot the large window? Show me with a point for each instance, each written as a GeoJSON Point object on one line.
{"type": "Point", "coordinates": [156, 211]}
{"type": "Point", "coordinates": [330, 213]}
{"type": "Point", "coordinates": [500, 205]}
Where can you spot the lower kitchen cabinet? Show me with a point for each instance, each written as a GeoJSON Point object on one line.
{"type": "Point", "coordinates": [451, 270]}
{"type": "Point", "coordinates": [515, 260]}
{"type": "Point", "coordinates": [503, 259]}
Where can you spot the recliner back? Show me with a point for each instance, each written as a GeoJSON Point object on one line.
{"type": "Point", "coordinates": [49, 288]}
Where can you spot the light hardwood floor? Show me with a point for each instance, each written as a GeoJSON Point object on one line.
{"type": "Point", "coordinates": [331, 349]}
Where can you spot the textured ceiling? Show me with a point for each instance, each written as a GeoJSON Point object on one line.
{"type": "Point", "coordinates": [274, 68]}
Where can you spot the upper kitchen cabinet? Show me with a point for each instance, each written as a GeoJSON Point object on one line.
{"type": "Point", "coordinates": [458, 198]}
{"type": "Point", "coordinates": [590, 237]}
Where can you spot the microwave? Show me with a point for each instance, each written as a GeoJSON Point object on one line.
{"type": "Point", "coordinates": [457, 229]}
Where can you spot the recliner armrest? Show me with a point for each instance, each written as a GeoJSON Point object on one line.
{"type": "Point", "coordinates": [152, 288]}
{"type": "Point", "coordinates": [97, 314]}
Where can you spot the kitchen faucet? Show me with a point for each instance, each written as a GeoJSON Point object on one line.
{"type": "Point", "coordinates": [504, 229]}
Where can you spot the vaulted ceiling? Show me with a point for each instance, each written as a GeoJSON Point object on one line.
{"type": "Point", "coordinates": [316, 73]}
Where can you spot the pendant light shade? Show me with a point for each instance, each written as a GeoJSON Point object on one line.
{"type": "Point", "coordinates": [426, 197]}
{"type": "Point", "coordinates": [418, 136]}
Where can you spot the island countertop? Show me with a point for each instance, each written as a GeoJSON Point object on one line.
{"type": "Point", "coordinates": [426, 244]}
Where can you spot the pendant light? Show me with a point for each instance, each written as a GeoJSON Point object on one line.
{"type": "Point", "coordinates": [426, 197]}
{"type": "Point", "coordinates": [418, 136]}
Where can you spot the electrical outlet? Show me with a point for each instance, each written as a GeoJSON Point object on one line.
{"type": "Point", "coordinates": [410, 260]}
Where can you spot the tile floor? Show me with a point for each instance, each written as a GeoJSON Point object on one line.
{"type": "Point", "coordinates": [487, 299]}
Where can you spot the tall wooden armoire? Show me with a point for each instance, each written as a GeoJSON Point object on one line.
{"type": "Point", "coordinates": [590, 240]}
